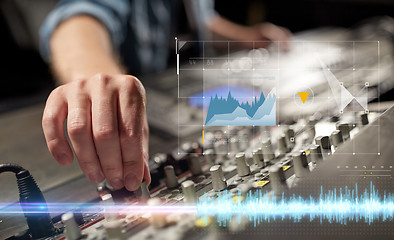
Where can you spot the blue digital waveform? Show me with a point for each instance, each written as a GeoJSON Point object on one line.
{"type": "Point", "coordinates": [229, 111]}
{"type": "Point", "coordinates": [338, 205]}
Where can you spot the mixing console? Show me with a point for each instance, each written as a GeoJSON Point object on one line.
{"type": "Point", "coordinates": [276, 161]}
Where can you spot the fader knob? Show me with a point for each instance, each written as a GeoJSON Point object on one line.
{"type": "Point", "coordinates": [258, 158]}
{"type": "Point", "coordinates": [277, 179]}
{"type": "Point", "coordinates": [363, 119]}
{"type": "Point", "coordinates": [315, 153]}
{"type": "Point", "coordinates": [189, 191]}
{"type": "Point", "coordinates": [268, 152]}
{"type": "Point", "coordinates": [171, 180]}
{"type": "Point", "coordinates": [336, 138]}
{"type": "Point", "coordinates": [71, 231]}
{"type": "Point", "coordinates": [345, 129]}
{"type": "Point", "coordinates": [218, 180]}
{"type": "Point", "coordinates": [301, 168]}
{"type": "Point", "coordinates": [195, 164]}
{"type": "Point", "coordinates": [242, 168]}
{"type": "Point", "coordinates": [323, 142]}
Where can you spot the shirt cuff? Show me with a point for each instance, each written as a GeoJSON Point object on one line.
{"type": "Point", "coordinates": [68, 10]}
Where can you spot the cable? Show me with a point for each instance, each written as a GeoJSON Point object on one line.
{"type": "Point", "coordinates": [10, 167]}
{"type": "Point", "coordinates": [40, 224]}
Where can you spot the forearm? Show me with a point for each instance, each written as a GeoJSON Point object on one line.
{"type": "Point", "coordinates": [80, 48]}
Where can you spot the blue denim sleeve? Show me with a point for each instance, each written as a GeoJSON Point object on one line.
{"type": "Point", "coordinates": [113, 14]}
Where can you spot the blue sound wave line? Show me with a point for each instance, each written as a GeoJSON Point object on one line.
{"type": "Point", "coordinates": [338, 205]}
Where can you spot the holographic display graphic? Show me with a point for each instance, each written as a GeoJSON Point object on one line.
{"type": "Point", "coordinates": [229, 111]}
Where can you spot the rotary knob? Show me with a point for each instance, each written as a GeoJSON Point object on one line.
{"type": "Point", "coordinates": [345, 129]}
{"type": "Point", "coordinates": [243, 168]}
{"type": "Point", "coordinates": [171, 180]}
{"type": "Point", "coordinates": [324, 143]}
{"type": "Point", "coordinates": [268, 152]}
{"type": "Point", "coordinates": [258, 158]}
{"type": "Point", "coordinates": [336, 138]}
{"type": "Point", "coordinates": [315, 153]}
{"type": "Point", "coordinates": [71, 231]}
{"type": "Point", "coordinates": [277, 179]}
{"type": "Point", "coordinates": [189, 191]}
{"type": "Point", "coordinates": [195, 164]}
{"type": "Point", "coordinates": [301, 168]}
{"type": "Point", "coordinates": [218, 180]}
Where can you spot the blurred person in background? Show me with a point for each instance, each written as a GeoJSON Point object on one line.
{"type": "Point", "coordinates": [96, 48]}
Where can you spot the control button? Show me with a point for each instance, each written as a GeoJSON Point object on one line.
{"type": "Point", "coordinates": [277, 179]}
{"type": "Point", "coordinates": [301, 168]}
{"type": "Point", "coordinates": [71, 231]}
{"type": "Point", "coordinates": [195, 164]}
{"type": "Point", "coordinates": [258, 158]}
{"type": "Point", "coordinates": [218, 180]}
{"type": "Point", "coordinates": [345, 129]}
{"type": "Point", "coordinates": [268, 152]}
{"type": "Point", "coordinates": [336, 138]}
{"type": "Point", "coordinates": [315, 153]}
{"type": "Point", "coordinates": [242, 168]}
{"type": "Point", "coordinates": [189, 191]}
{"type": "Point", "coordinates": [171, 180]}
{"type": "Point", "coordinates": [282, 146]}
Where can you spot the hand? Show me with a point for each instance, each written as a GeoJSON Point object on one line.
{"type": "Point", "coordinates": [269, 32]}
{"type": "Point", "coordinates": [107, 127]}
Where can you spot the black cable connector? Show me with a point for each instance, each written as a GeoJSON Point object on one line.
{"type": "Point", "coordinates": [40, 223]}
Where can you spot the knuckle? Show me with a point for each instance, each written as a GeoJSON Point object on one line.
{"type": "Point", "coordinates": [127, 82]}
{"type": "Point", "coordinates": [111, 169]}
{"type": "Point", "coordinates": [135, 87]}
{"type": "Point", "coordinates": [48, 117]}
{"type": "Point", "coordinates": [104, 132]}
{"type": "Point", "coordinates": [133, 165]}
{"type": "Point", "coordinates": [102, 79]}
{"type": "Point", "coordinates": [79, 84]}
{"type": "Point", "coordinates": [76, 127]}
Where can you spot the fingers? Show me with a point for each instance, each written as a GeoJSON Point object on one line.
{"type": "Point", "coordinates": [80, 132]}
{"type": "Point", "coordinates": [105, 130]}
{"type": "Point", "coordinates": [131, 130]}
{"type": "Point", "coordinates": [52, 123]}
{"type": "Point", "coordinates": [275, 33]}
